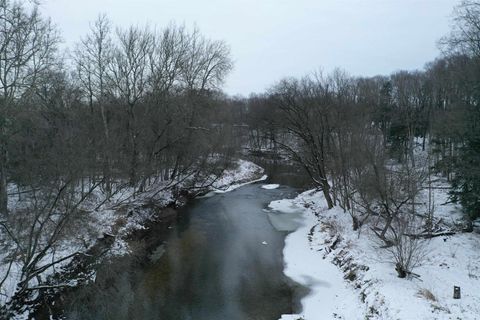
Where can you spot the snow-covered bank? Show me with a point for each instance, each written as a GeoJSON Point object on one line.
{"type": "Point", "coordinates": [350, 277]}
{"type": "Point", "coordinates": [329, 293]}
{"type": "Point", "coordinates": [245, 172]}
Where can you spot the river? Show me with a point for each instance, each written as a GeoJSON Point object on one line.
{"type": "Point", "coordinates": [222, 259]}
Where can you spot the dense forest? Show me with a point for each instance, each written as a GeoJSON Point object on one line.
{"type": "Point", "coordinates": [141, 110]}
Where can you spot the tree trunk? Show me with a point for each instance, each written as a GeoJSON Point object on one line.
{"type": "Point", "coordinates": [3, 185]}
{"type": "Point", "coordinates": [3, 174]}
{"type": "Point", "coordinates": [326, 193]}
{"type": "Point", "coordinates": [107, 165]}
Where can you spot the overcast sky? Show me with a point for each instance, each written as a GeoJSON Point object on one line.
{"type": "Point", "coordinates": [271, 39]}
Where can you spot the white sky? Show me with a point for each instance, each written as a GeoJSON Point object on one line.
{"type": "Point", "coordinates": [271, 39]}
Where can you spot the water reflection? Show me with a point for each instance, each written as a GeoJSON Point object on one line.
{"type": "Point", "coordinates": [214, 265]}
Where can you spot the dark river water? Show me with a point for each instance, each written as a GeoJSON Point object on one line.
{"type": "Point", "coordinates": [222, 260]}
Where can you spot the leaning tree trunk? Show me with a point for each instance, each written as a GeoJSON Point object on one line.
{"type": "Point", "coordinates": [3, 180]}
{"type": "Point", "coordinates": [3, 189]}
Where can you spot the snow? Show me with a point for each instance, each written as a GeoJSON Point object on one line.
{"type": "Point", "coordinates": [375, 291]}
{"type": "Point", "coordinates": [244, 173]}
{"type": "Point", "coordinates": [329, 293]}
{"type": "Point", "coordinates": [270, 186]}
{"type": "Point", "coordinates": [238, 185]}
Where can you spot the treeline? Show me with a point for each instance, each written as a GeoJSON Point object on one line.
{"type": "Point", "coordinates": [434, 110]}
{"type": "Point", "coordinates": [136, 102]}
{"type": "Point", "coordinates": [373, 144]}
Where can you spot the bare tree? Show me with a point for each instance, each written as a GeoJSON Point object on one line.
{"type": "Point", "coordinates": [408, 251]}
{"type": "Point", "coordinates": [93, 56]}
{"type": "Point", "coordinates": [206, 62]}
{"type": "Point", "coordinates": [130, 79]}
{"type": "Point", "coordinates": [170, 50]}
{"type": "Point", "coordinates": [28, 47]}
{"type": "Point", "coordinates": [37, 228]}
{"type": "Point", "coordinates": [129, 70]}
{"type": "Point", "coordinates": [465, 35]}
{"type": "Point", "coordinates": [305, 108]}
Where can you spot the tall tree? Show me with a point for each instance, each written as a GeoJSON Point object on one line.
{"type": "Point", "coordinates": [130, 79]}
{"type": "Point", "coordinates": [305, 107]}
{"type": "Point", "coordinates": [93, 56]}
{"type": "Point", "coordinates": [28, 44]}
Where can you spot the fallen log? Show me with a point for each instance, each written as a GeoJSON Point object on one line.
{"type": "Point", "coordinates": [431, 235]}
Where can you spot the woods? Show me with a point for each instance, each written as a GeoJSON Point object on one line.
{"type": "Point", "coordinates": [138, 112]}
{"type": "Point", "coordinates": [133, 113]}
{"type": "Point", "coordinates": [371, 145]}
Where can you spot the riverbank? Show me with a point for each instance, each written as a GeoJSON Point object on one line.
{"type": "Point", "coordinates": [110, 228]}
{"type": "Point", "coordinates": [351, 277]}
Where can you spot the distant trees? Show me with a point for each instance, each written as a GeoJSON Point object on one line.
{"type": "Point", "coordinates": [322, 122]}
{"type": "Point", "coordinates": [163, 78]}
{"type": "Point", "coordinates": [371, 143]}
{"type": "Point", "coordinates": [365, 143]}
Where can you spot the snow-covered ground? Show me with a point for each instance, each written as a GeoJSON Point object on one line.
{"type": "Point", "coordinates": [113, 217]}
{"type": "Point", "coordinates": [244, 172]}
{"type": "Point", "coordinates": [351, 277]}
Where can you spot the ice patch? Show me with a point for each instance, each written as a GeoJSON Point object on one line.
{"type": "Point", "coordinates": [282, 221]}
{"type": "Point", "coordinates": [285, 206]}
{"type": "Point", "coordinates": [270, 186]}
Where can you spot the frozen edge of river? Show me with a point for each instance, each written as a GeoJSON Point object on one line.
{"type": "Point", "coordinates": [329, 293]}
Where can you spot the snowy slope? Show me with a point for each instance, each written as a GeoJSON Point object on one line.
{"type": "Point", "coordinates": [350, 277]}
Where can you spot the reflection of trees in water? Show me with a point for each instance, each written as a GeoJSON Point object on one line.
{"type": "Point", "coordinates": [110, 297]}
{"type": "Point", "coordinates": [126, 289]}
{"type": "Point", "coordinates": [284, 173]}
{"type": "Point", "coordinates": [265, 295]}
{"type": "Point", "coordinates": [214, 268]}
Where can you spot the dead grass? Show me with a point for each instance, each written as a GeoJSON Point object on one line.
{"type": "Point", "coordinates": [427, 294]}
